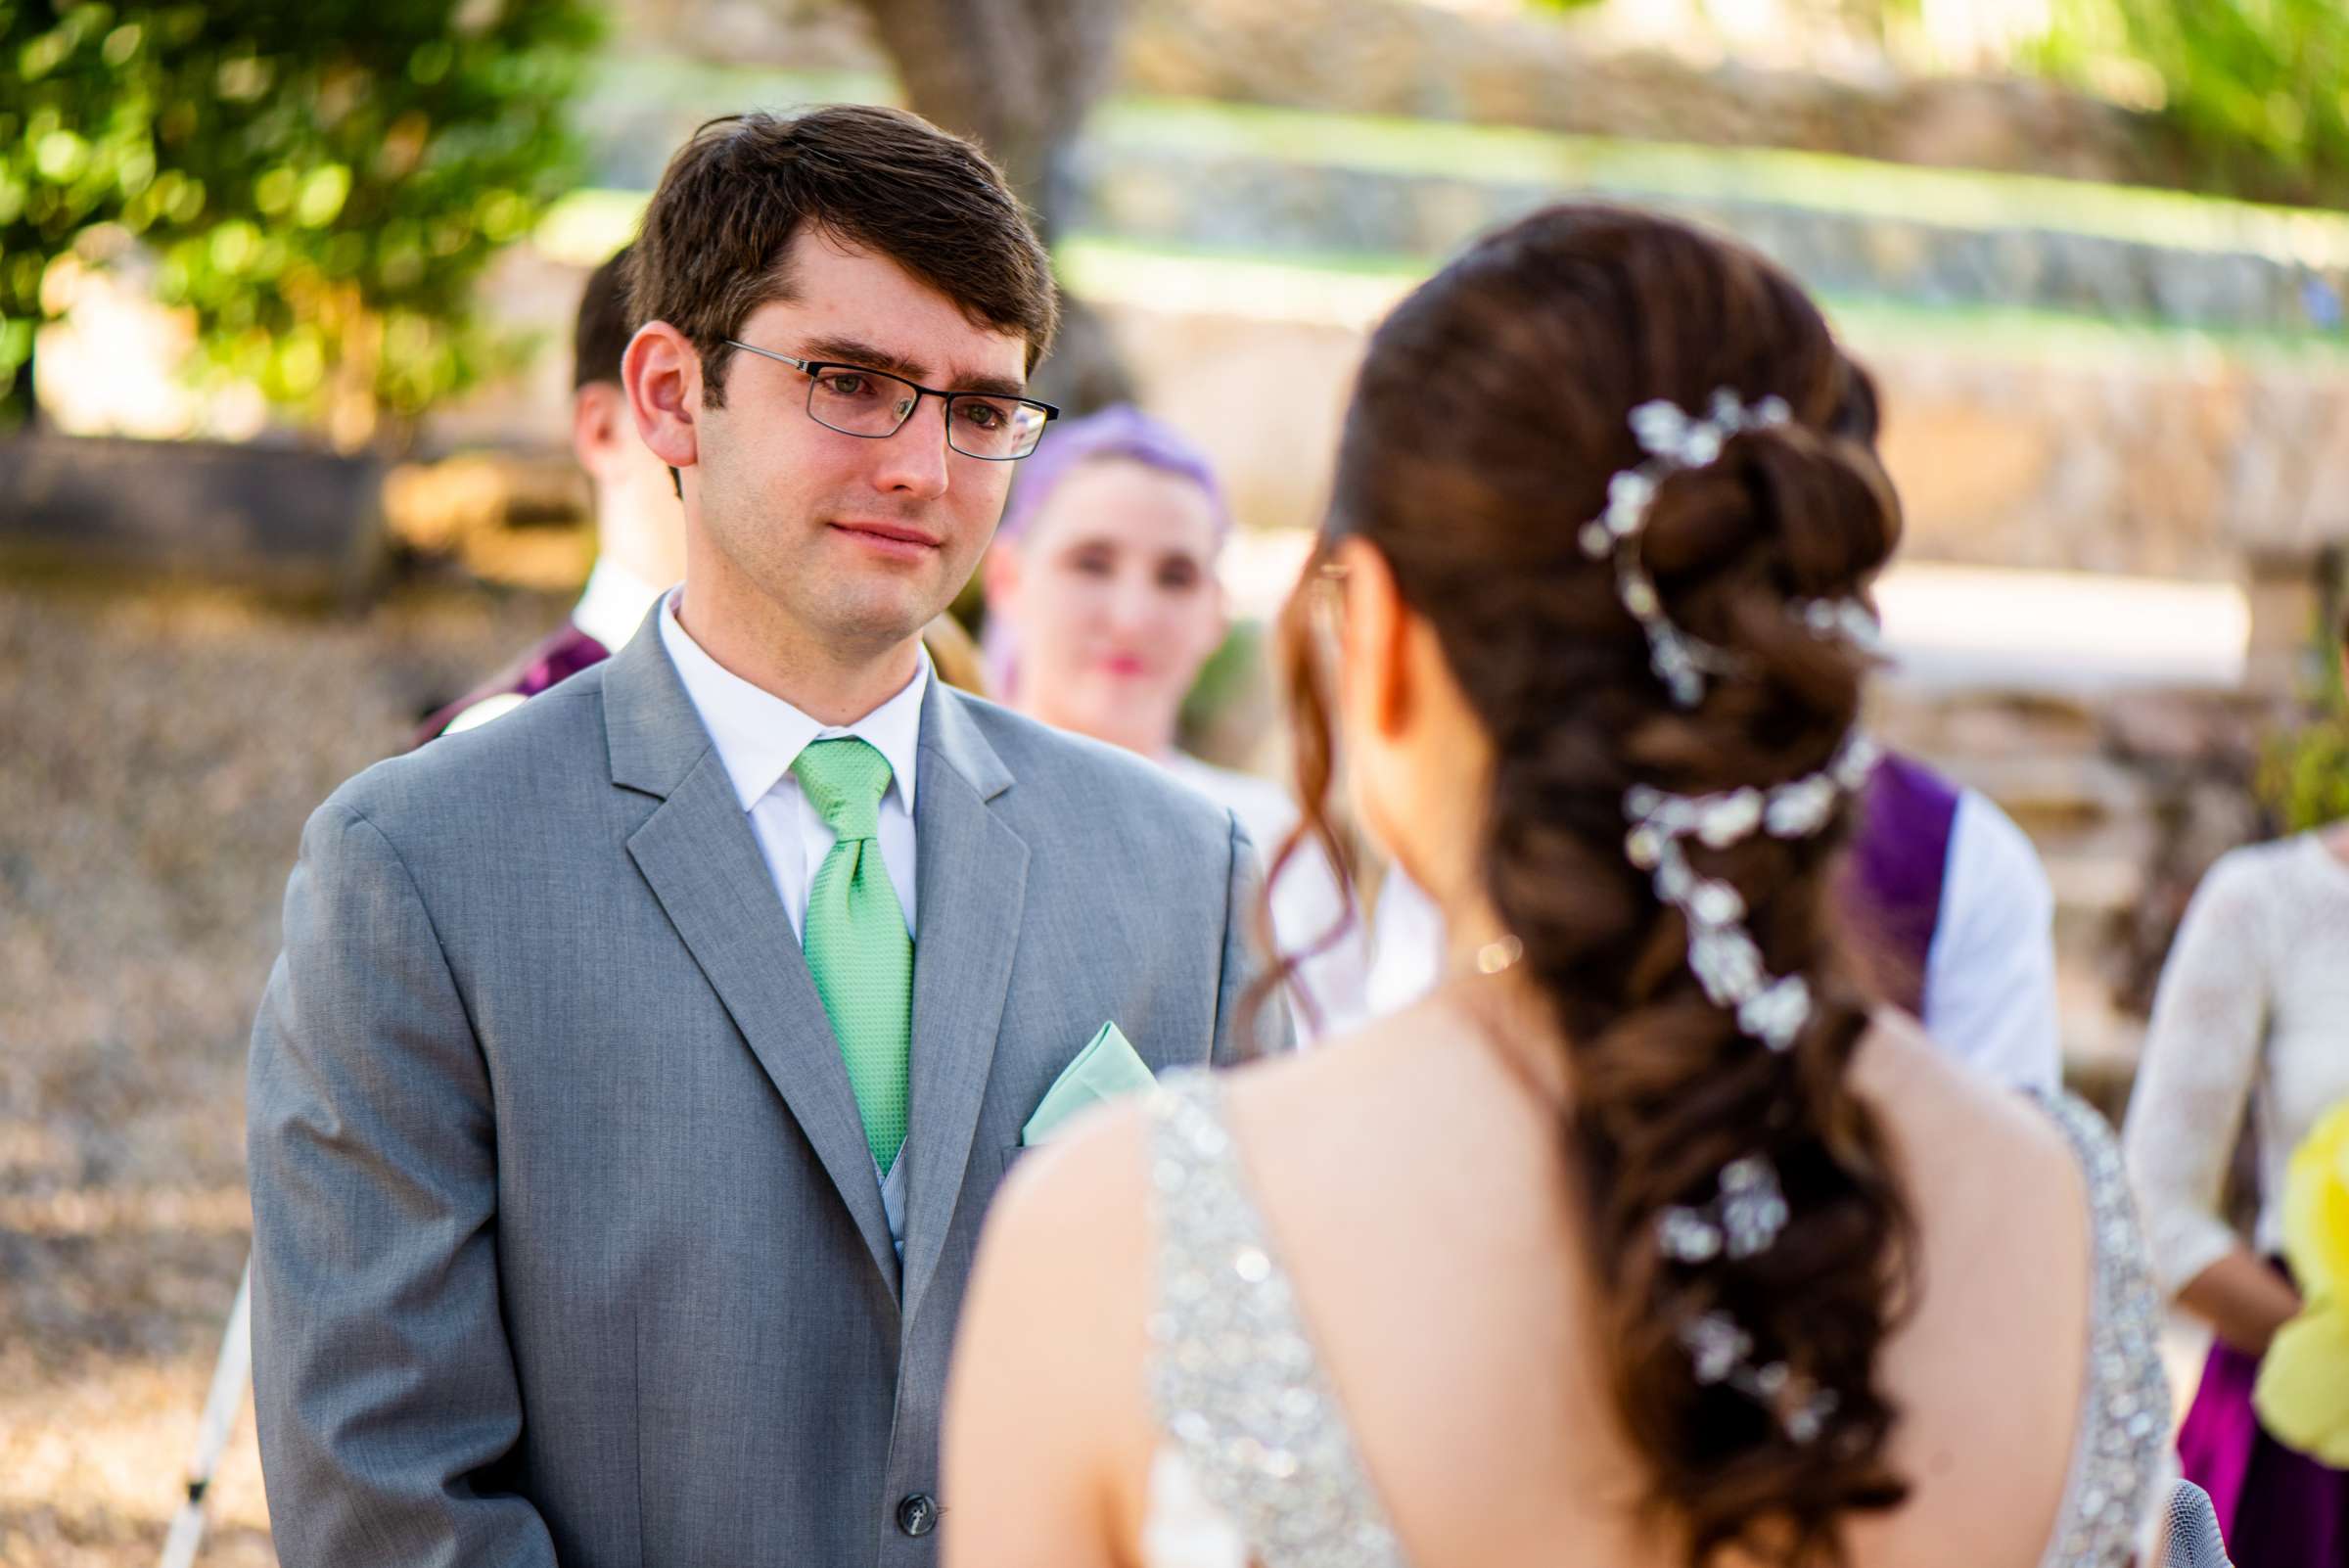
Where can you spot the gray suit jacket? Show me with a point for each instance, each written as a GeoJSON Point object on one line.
{"type": "Point", "coordinates": [567, 1245]}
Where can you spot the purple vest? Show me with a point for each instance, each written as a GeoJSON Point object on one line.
{"type": "Point", "coordinates": [562, 655]}
{"type": "Point", "coordinates": [1892, 884]}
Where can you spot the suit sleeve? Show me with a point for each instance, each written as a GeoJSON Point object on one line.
{"type": "Point", "coordinates": [384, 1387]}
{"type": "Point", "coordinates": [1243, 1029]}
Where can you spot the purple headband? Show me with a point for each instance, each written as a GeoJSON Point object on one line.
{"type": "Point", "coordinates": [1118, 430]}
{"type": "Point", "coordinates": [1121, 430]}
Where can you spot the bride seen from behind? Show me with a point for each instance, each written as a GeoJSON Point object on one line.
{"type": "Point", "coordinates": [1618, 1248]}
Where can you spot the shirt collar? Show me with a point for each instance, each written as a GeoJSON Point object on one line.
{"type": "Point", "coordinates": [758, 735]}
{"type": "Point", "coordinates": [613, 605]}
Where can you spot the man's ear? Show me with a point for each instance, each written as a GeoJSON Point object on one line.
{"type": "Point", "coordinates": [599, 418]}
{"type": "Point", "coordinates": [663, 375]}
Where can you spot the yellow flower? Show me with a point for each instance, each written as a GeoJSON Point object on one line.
{"type": "Point", "coordinates": [2303, 1391]}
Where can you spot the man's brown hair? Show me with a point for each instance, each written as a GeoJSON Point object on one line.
{"type": "Point", "coordinates": [714, 242]}
{"type": "Point", "coordinates": [601, 334]}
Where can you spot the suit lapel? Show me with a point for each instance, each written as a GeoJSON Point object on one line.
{"type": "Point", "coordinates": [698, 853]}
{"type": "Point", "coordinates": [972, 876]}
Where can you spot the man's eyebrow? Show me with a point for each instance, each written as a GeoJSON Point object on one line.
{"type": "Point", "coordinates": [854, 351]}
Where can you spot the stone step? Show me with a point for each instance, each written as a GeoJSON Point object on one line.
{"type": "Point", "coordinates": [1258, 179]}
{"type": "Point", "coordinates": [1174, 179]}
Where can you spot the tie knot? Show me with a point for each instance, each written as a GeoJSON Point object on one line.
{"type": "Point", "coordinates": [845, 778]}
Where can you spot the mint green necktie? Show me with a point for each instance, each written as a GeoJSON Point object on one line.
{"type": "Point", "coordinates": [855, 941]}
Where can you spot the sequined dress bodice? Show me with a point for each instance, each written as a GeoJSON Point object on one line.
{"type": "Point", "coordinates": [1256, 1466]}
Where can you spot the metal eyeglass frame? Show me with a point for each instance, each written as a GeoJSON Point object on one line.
{"type": "Point", "coordinates": [811, 368]}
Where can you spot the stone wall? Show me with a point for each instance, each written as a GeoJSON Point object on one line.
{"type": "Point", "coordinates": [2150, 465]}
{"type": "Point", "coordinates": [1496, 67]}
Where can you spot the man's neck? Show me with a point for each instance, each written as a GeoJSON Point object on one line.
{"type": "Point", "coordinates": [831, 685]}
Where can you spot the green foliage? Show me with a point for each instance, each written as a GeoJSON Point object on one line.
{"type": "Point", "coordinates": [2258, 88]}
{"type": "Point", "coordinates": [321, 183]}
{"type": "Point", "coordinates": [1225, 681]}
{"type": "Point", "coordinates": [2303, 778]}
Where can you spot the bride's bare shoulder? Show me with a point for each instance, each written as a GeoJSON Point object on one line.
{"type": "Point", "coordinates": [1949, 1120]}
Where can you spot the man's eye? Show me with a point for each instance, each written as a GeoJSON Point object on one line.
{"type": "Point", "coordinates": [847, 384]}
{"type": "Point", "coordinates": [989, 417]}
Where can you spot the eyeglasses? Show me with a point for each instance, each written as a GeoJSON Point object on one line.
{"type": "Point", "coordinates": [874, 405]}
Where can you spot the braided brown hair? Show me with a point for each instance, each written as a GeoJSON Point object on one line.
{"type": "Point", "coordinates": [1490, 414]}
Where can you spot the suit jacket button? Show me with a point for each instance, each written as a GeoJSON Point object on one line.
{"type": "Point", "coordinates": [917, 1515]}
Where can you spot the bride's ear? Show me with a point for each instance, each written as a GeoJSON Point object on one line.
{"type": "Point", "coordinates": [1376, 633]}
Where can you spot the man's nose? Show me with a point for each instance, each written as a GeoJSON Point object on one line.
{"type": "Point", "coordinates": [914, 460]}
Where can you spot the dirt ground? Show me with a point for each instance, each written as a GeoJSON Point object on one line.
{"type": "Point", "coordinates": [158, 752]}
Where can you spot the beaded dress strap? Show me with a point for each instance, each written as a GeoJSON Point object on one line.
{"type": "Point", "coordinates": [1234, 1379]}
{"type": "Point", "coordinates": [2121, 1453]}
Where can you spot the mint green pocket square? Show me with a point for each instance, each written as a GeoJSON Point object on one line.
{"type": "Point", "coordinates": [1107, 1069]}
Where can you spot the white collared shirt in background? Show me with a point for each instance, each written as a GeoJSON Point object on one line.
{"type": "Point", "coordinates": [613, 603]}
{"type": "Point", "coordinates": [759, 736]}
{"type": "Point", "coordinates": [1307, 901]}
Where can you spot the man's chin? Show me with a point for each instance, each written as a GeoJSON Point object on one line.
{"type": "Point", "coordinates": [879, 621]}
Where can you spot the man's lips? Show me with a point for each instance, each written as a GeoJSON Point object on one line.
{"type": "Point", "coordinates": [895, 537]}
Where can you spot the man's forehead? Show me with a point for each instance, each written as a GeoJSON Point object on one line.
{"type": "Point", "coordinates": [874, 353]}
{"type": "Point", "coordinates": [854, 304]}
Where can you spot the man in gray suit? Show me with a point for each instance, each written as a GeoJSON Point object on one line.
{"type": "Point", "coordinates": [639, 1065]}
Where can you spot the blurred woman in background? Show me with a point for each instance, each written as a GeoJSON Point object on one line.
{"type": "Point", "coordinates": [2251, 1021]}
{"type": "Point", "coordinates": [1102, 606]}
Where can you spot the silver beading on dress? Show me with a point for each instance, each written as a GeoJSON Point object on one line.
{"type": "Point", "coordinates": [1233, 1375]}
{"type": "Point", "coordinates": [1247, 1411]}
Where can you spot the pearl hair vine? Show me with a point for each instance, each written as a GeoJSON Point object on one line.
{"type": "Point", "coordinates": [1722, 952]}
{"type": "Point", "coordinates": [1741, 1222]}
{"type": "Point", "coordinates": [1677, 442]}
{"type": "Point", "coordinates": [1723, 1354]}
{"type": "Point", "coordinates": [1746, 1218]}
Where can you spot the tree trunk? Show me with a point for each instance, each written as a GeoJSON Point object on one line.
{"type": "Point", "coordinates": [20, 408]}
{"type": "Point", "coordinates": [1018, 76]}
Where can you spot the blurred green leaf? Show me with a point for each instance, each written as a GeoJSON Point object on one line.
{"type": "Point", "coordinates": [2253, 87]}
{"type": "Point", "coordinates": [322, 184]}
{"type": "Point", "coordinates": [2303, 776]}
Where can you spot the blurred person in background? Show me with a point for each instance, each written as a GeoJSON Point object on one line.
{"type": "Point", "coordinates": [1650, 1238]}
{"type": "Point", "coordinates": [2251, 1027]}
{"type": "Point", "coordinates": [639, 530]}
{"type": "Point", "coordinates": [1102, 605]}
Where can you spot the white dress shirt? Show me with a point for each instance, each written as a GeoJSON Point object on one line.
{"type": "Point", "coordinates": [1307, 900]}
{"type": "Point", "coordinates": [612, 603]}
{"type": "Point", "coordinates": [1990, 970]}
{"type": "Point", "coordinates": [759, 736]}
